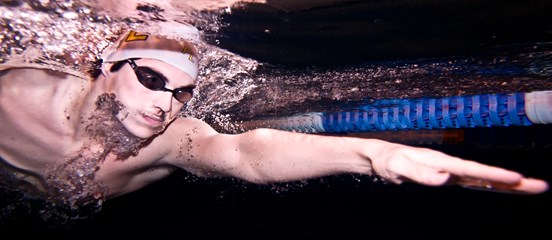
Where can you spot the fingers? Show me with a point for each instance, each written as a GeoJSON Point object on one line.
{"type": "Point", "coordinates": [473, 175]}
{"type": "Point", "coordinates": [524, 186]}
{"type": "Point", "coordinates": [533, 186]}
{"type": "Point", "coordinates": [436, 168]}
{"type": "Point", "coordinates": [432, 177]}
{"type": "Point", "coordinates": [469, 169]}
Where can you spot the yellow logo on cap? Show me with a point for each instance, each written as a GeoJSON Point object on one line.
{"type": "Point", "coordinates": [132, 36]}
{"type": "Point", "coordinates": [187, 51]}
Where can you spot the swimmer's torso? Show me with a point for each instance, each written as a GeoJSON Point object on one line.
{"type": "Point", "coordinates": [39, 111]}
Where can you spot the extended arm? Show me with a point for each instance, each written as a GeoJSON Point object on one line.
{"type": "Point", "coordinates": [266, 155]}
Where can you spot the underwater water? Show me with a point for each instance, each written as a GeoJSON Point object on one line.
{"type": "Point", "coordinates": [279, 58]}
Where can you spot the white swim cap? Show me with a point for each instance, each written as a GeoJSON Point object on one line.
{"type": "Point", "coordinates": [179, 53]}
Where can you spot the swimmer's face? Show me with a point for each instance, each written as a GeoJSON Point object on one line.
{"type": "Point", "coordinates": [147, 112]}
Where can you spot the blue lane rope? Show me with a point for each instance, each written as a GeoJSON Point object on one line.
{"type": "Point", "coordinates": [484, 110]}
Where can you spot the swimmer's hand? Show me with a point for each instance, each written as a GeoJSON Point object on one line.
{"type": "Point", "coordinates": [398, 163]}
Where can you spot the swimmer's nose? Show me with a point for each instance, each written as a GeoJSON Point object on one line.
{"type": "Point", "coordinates": [164, 101]}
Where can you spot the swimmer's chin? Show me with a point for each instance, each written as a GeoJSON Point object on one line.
{"type": "Point", "coordinates": [148, 131]}
{"type": "Point", "coordinates": [143, 131]}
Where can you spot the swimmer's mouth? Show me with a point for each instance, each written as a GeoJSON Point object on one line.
{"type": "Point", "coordinates": [153, 120]}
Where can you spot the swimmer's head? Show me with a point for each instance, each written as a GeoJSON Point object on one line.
{"type": "Point", "coordinates": [152, 76]}
{"type": "Point", "coordinates": [178, 53]}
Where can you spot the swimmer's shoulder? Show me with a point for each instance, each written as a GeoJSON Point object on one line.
{"type": "Point", "coordinates": [184, 128]}
{"type": "Point", "coordinates": [28, 75]}
{"type": "Point", "coordinates": [192, 126]}
{"type": "Point", "coordinates": [45, 86]}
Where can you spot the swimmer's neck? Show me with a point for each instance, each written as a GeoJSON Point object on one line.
{"type": "Point", "coordinates": [83, 108]}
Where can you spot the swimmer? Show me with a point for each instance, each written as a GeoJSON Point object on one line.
{"type": "Point", "coordinates": [118, 131]}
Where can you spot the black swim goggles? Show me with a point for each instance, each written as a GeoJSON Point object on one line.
{"type": "Point", "coordinates": [156, 81]}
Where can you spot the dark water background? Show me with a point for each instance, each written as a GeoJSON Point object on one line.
{"type": "Point", "coordinates": [321, 56]}
{"type": "Point", "coordinates": [386, 49]}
